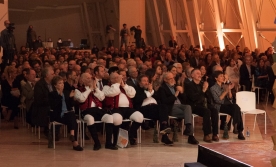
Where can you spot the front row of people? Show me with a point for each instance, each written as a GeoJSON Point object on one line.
{"type": "Point", "coordinates": [116, 101]}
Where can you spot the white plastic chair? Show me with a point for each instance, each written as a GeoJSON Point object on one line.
{"type": "Point", "coordinates": [247, 102]}
{"type": "Point", "coordinates": [54, 131]}
{"type": "Point", "coordinates": [258, 88]}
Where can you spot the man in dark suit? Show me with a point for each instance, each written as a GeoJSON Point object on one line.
{"type": "Point", "coordinates": [246, 73]}
{"type": "Point", "coordinates": [145, 102]}
{"type": "Point", "coordinates": [216, 61]}
{"type": "Point", "coordinates": [28, 92]}
{"type": "Point", "coordinates": [41, 105]}
{"type": "Point", "coordinates": [173, 96]}
{"type": "Point", "coordinates": [194, 61]}
{"type": "Point", "coordinates": [197, 97]}
{"type": "Point", "coordinates": [128, 54]}
{"type": "Point", "coordinates": [99, 72]}
{"type": "Point", "coordinates": [133, 74]}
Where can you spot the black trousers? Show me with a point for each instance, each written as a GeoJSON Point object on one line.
{"type": "Point", "coordinates": [155, 112]}
{"type": "Point", "coordinates": [209, 115]}
{"type": "Point", "coordinates": [247, 84]}
{"type": "Point", "coordinates": [95, 112]}
{"type": "Point", "coordinates": [235, 112]}
{"type": "Point", "coordinates": [69, 119]}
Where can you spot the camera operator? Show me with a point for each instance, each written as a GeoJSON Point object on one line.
{"type": "Point", "coordinates": [138, 32]}
{"type": "Point", "coordinates": [8, 44]}
{"type": "Point", "coordinates": [31, 38]}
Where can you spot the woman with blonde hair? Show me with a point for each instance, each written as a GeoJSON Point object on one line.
{"type": "Point", "coordinates": [10, 95]}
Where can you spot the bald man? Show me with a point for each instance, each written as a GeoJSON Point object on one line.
{"type": "Point", "coordinates": [90, 99]}
{"type": "Point", "coordinates": [118, 100]}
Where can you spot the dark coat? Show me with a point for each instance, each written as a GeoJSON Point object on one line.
{"type": "Point", "coordinates": [193, 62]}
{"type": "Point", "coordinates": [140, 96]}
{"type": "Point", "coordinates": [41, 104]}
{"type": "Point", "coordinates": [132, 55]}
{"type": "Point", "coordinates": [167, 98]}
{"type": "Point", "coordinates": [56, 104]}
{"type": "Point", "coordinates": [195, 95]}
{"type": "Point", "coordinates": [131, 83]}
{"type": "Point", "coordinates": [244, 74]}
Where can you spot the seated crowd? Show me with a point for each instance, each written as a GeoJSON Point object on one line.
{"type": "Point", "coordinates": [113, 85]}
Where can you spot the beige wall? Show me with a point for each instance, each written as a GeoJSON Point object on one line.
{"type": "Point", "coordinates": [132, 12]}
{"type": "Point", "coordinates": [54, 23]}
{"type": "Point", "coordinates": [267, 22]}
{"type": "Point", "coordinates": [4, 15]}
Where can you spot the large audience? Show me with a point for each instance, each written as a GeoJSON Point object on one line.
{"type": "Point", "coordinates": [132, 83]}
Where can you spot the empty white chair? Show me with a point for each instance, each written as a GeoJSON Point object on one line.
{"type": "Point", "coordinates": [247, 102]}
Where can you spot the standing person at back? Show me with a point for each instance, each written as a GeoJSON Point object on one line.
{"type": "Point", "coordinates": [8, 44]}
{"type": "Point", "coordinates": [124, 33]}
{"type": "Point", "coordinates": [137, 36]}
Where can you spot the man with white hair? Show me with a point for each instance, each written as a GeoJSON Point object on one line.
{"type": "Point", "coordinates": [118, 100]}
{"type": "Point", "coordinates": [173, 96]}
{"type": "Point", "coordinates": [90, 98]}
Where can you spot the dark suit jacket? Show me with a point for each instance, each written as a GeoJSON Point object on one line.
{"type": "Point", "coordinates": [56, 104]}
{"type": "Point", "coordinates": [166, 97]}
{"type": "Point", "coordinates": [41, 104]}
{"type": "Point", "coordinates": [193, 62]}
{"type": "Point", "coordinates": [195, 95]}
{"type": "Point", "coordinates": [244, 74]}
{"type": "Point", "coordinates": [132, 55]}
{"type": "Point", "coordinates": [28, 93]}
{"type": "Point", "coordinates": [131, 83]}
{"type": "Point", "coordinates": [140, 96]}
{"type": "Point", "coordinates": [105, 82]}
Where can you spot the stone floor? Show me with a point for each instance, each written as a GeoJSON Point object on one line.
{"type": "Point", "coordinates": [23, 148]}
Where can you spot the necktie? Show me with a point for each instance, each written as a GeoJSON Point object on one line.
{"type": "Point", "coordinates": [100, 85]}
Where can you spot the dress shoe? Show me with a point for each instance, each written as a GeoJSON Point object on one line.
{"type": "Point", "coordinates": [132, 142]}
{"type": "Point", "coordinates": [77, 148]}
{"type": "Point", "coordinates": [165, 139]}
{"type": "Point", "coordinates": [240, 136]}
{"type": "Point", "coordinates": [207, 139]}
{"type": "Point", "coordinates": [215, 138]}
{"type": "Point", "coordinates": [192, 140]}
{"type": "Point", "coordinates": [97, 147]}
{"type": "Point", "coordinates": [72, 138]}
{"type": "Point", "coordinates": [111, 147]}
